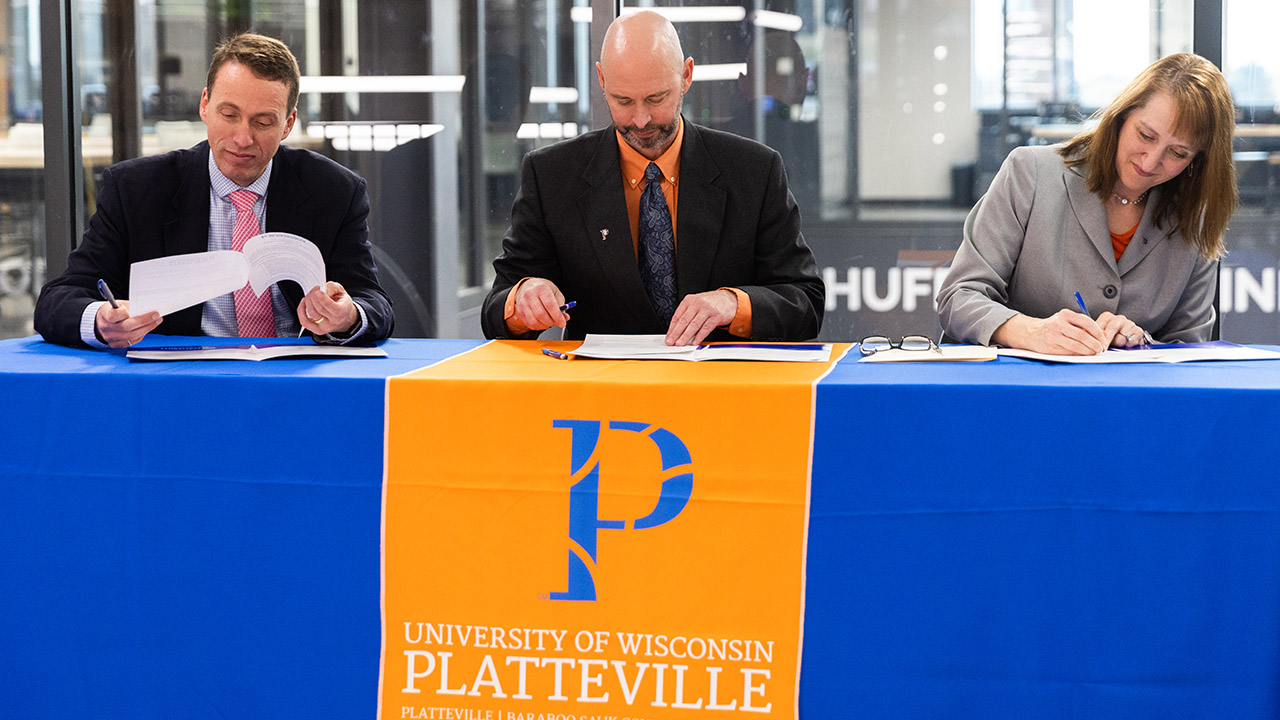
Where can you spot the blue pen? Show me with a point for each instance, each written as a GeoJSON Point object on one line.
{"type": "Point", "coordinates": [1080, 302]}
{"type": "Point", "coordinates": [555, 354]}
{"type": "Point", "coordinates": [569, 305]}
{"type": "Point", "coordinates": [105, 292]}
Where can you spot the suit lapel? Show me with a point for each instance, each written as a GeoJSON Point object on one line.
{"type": "Point", "coordinates": [1091, 215]}
{"type": "Point", "coordinates": [1146, 237]}
{"type": "Point", "coordinates": [186, 226]}
{"type": "Point", "coordinates": [286, 195]}
{"type": "Point", "coordinates": [604, 207]}
{"type": "Point", "coordinates": [699, 216]}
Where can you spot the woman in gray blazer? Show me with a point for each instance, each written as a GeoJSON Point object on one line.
{"type": "Point", "coordinates": [1130, 215]}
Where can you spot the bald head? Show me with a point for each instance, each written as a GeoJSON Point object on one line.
{"type": "Point", "coordinates": [642, 38]}
{"type": "Point", "coordinates": [644, 75]}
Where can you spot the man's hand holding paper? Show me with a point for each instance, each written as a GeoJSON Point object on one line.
{"type": "Point", "coordinates": [328, 309]}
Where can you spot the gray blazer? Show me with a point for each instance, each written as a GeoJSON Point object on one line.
{"type": "Point", "coordinates": [1038, 236]}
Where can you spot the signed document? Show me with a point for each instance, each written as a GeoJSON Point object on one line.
{"type": "Point", "coordinates": [1171, 353]}
{"type": "Point", "coordinates": [172, 283]}
{"type": "Point", "coordinates": [654, 347]}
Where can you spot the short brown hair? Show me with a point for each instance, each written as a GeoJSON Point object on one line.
{"type": "Point", "coordinates": [266, 57]}
{"type": "Point", "coordinates": [1202, 198]}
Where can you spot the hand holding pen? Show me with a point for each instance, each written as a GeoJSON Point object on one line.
{"type": "Point", "coordinates": [556, 353]}
{"type": "Point", "coordinates": [538, 305]}
{"type": "Point", "coordinates": [114, 327]}
{"type": "Point", "coordinates": [1095, 336]}
{"type": "Point", "coordinates": [1065, 332]}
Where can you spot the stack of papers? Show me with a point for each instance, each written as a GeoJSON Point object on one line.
{"type": "Point", "coordinates": [263, 351]}
{"type": "Point", "coordinates": [654, 347]}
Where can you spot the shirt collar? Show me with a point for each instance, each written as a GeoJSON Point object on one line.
{"type": "Point", "coordinates": [223, 186]}
{"type": "Point", "coordinates": [634, 164]}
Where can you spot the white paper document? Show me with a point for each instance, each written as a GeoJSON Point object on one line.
{"type": "Point", "coordinates": [267, 351]}
{"type": "Point", "coordinates": [654, 347]}
{"type": "Point", "coordinates": [172, 283]}
{"type": "Point", "coordinates": [943, 353]}
{"type": "Point", "coordinates": [1171, 353]}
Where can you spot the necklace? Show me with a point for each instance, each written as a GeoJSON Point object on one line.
{"type": "Point", "coordinates": [1126, 201]}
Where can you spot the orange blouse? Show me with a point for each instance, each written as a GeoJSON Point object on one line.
{"type": "Point", "coordinates": [1121, 241]}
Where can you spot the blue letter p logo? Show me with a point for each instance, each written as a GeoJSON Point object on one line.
{"type": "Point", "coordinates": [584, 499]}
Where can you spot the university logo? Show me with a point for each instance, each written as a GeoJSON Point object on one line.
{"type": "Point", "coordinates": [584, 499]}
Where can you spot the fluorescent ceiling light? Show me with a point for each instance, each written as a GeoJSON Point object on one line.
{"type": "Point", "coordinates": [382, 83]}
{"type": "Point", "coordinates": [371, 136]}
{"type": "Point", "coordinates": [777, 20]}
{"type": "Point", "coordinates": [567, 95]}
{"type": "Point", "coordinates": [725, 71]}
{"type": "Point", "coordinates": [713, 13]}
{"type": "Point", "coordinates": [710, 13]}
{"type": "Point", "coordinates": [546, 131]}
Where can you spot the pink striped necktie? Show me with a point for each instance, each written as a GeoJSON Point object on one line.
{"type": "Point", "coordinates": [253, 312]}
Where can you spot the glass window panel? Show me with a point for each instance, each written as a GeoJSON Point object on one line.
{"type": "Point", "coordinates": [1250, 57]}
{"type": "Point", "coordinates": [1251, 62]}
{"type": "Point", "coordinates": [891, 117]}
{"type": "Point", "coordinates": [22, 236]}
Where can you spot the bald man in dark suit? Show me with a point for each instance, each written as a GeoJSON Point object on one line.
{"type": "Point", "coordinates": [741, 267]}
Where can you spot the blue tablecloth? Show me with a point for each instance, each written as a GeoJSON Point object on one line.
{"type": "Point", "coordinates": [1006, 539]}
{"type": "Point", "coordinates": [1020, 540]}
{"type": "Point", "coordinates": [192, 539]}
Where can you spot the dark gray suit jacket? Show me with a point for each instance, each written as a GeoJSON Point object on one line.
{"type": "Point", "coordinates": [158, 206]}
{"type": "Point", "coordinates": [737, 226]}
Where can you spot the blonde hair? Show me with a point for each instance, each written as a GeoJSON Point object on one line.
{"type": "Point", "coordinates": [1200, 199]}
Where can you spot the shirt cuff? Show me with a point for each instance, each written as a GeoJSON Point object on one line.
{"type": "Point", "coordinates": [87, 322]}
{"type": "Point", "coordinates": [515, 328]}
{"type": "Point", "coordinates": [356, 330]}
{"type": "Point", "coordinates": [740, 326]}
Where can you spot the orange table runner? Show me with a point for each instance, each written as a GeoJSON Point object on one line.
{"type": "Point", "coordinates": [594, 539]}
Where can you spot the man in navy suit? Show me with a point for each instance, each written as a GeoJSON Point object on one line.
{"type": "Point", "coordinates": [181, 202]}
{"type": "Point", "coordinates": [741, 266]}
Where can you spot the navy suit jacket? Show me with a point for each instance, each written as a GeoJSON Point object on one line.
{"type": "Point", "coordinates": [158, 206]}
{"type": "Point", "coordinates": [737, 226]}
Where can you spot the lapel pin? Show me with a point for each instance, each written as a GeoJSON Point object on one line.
{"type": "Point", "coordinates": [604, 233]}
